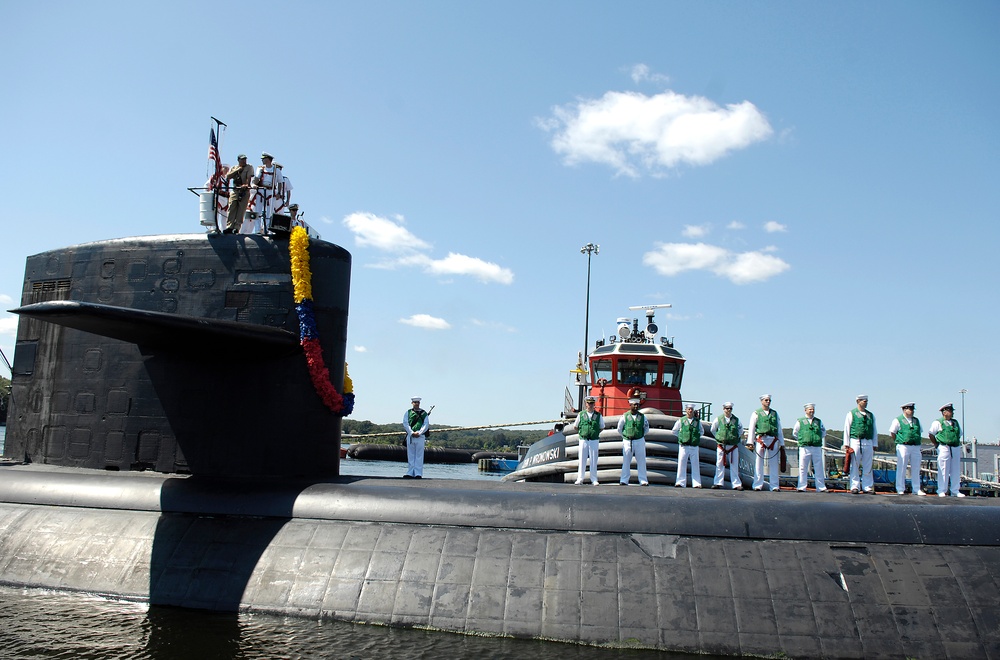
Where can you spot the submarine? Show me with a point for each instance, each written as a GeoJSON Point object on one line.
{"type": "Point", "coordinates": [173, 440]}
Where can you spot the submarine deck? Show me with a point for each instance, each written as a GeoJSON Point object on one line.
{"type": "Point", "coordinates": [701, 571]}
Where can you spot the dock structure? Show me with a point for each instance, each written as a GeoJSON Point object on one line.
{"type": "Point", "coordinates": [714, 572]}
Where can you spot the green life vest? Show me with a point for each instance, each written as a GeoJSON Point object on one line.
{"type": "Point", "coordinates": [908, 434]}
{"type": "Point", "coordinates": [862, 425]}
{"type": "Point", "coordinates": [690, 431]}
{"type": "Point", "coordinates": [809, 435]}
{"type": "Point", "coordinates": [950, 433]}
{"type": "Point", "coordinates": [590, 428]}
{"type": "Point", "coordinates": [635, 426]}
{"type": "Point", "coordinates": [416, 419]}
{"type": "Point", "coordinates": [767, 423]}
{"type": "Point", "coordinates": [729, 432]}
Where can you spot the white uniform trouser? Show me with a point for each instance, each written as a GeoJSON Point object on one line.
{"type": "Point", "coordinates": [415, 456]}
{"type": "Point", "coordinates": [949, 468]}
{"type": "Point", "coordinates": [907, 455]}
{"type": "Point", "coordinates": [588, 448]}
{"type": "Point", "coordinates": [734, 465]}
{"type": "Point", "coordinates": [772, 456]}
{"type": "Point", "coordinates": [685, 454]}
{"type": "Point", "coordinates": [632, 448]}
{"type": "Point", "coordinates": [864, 451]}
{"type": "Point", "coordinates": [814, 456]}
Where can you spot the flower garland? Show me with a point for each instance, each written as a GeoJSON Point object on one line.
{"type": "Point", "coordinates": [298, 248]}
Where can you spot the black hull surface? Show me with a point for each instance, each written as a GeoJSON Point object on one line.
{"type": "Point", "coordinates": [708, 572]}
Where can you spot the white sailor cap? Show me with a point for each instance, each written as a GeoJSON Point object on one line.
{"type": "Point", "coordinates": [909, 405]}
{"type": "Point", "coordinates": [415, 399]}
{"type": "Point", "coordinates": [590, 399]}
{"type": "Point", "coordinates": [809, 405]}
{"type": "Point", "coordinates": [727, 404]}
{"type": "Point", "coordinates": [765, 396]}
{"type": "Point", "coordinates": [862, 397]}
{"type": "Point", "coordinates": [688, 405]}
{"type": "Point", "coordinates": [634, 400]}
{"type": "Point", "coordinates": [264, 154]}
{"type": "Point", "coordinates": [948, 406]}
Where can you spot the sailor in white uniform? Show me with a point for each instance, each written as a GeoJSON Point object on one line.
{"type": "Point", "coordinates": [767, 442]}
{"type": "Point", "coordinates": [905, 432]}
{"type": "Point", "coordinates": [861, 436]}
{"type": "Point", "coordinates": [727, 430]}
{"type": "Point", "coordinates": [415, 423]}
{"type": "Point", "coordinates": [589, 424]}
{"type": "Point", "coordinates": [810, 433]}
{"type": "Point", "coordinates": [263, 199]}
{"type": "Point", "coordinates": [946, 434]}
{"type": "Point", "coordinates": [688, 432]}
{"type": "Point", "coordinates": [633, 427]}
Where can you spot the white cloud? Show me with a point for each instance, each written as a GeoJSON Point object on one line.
{"type": "Point", "coordinates": [390, 236]}
{"type": "Point", "coordinates": [736, 225]}
{"type": "Point", "coordinates": [633, 132]}
{"type": "Point", "coordinates": [640, 73]}
{"type": "Point", "coordinates": [671, 259]}
{"type": "Point", "coordinates": [360, 349]}
{"type": "Point", "coordinates": [5, 299]}
{"type": "Point", "coordinates": [772, 227]}
{"type": "Point", "coordinates": [694, 231]}
{"type": "Point", "coordinates": [8, 325]}
{"type": "Point", "coordinates": [493, 325]}
{"type": "Point", "coordinates": [371, 230]}
{"type": "Point", "coordinates": [426, 321]}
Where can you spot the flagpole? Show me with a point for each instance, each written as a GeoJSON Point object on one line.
{"type": "Point", "coordinates": [218, 167]}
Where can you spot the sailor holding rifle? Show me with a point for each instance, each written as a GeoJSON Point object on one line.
{"type": "Point", "coordinates": [416, 424]}
{"type": "Point", "coordinates": [860, 438]}
{"type": "Point", "coordinates": [767, 443]}
{"type": "Point", "coordinates": [727, 431]}
{"type": "Point", "coordinates": [688, 432]}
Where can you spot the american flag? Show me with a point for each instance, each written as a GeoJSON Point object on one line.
{"type": "Point", "coordinates": [214, 162]}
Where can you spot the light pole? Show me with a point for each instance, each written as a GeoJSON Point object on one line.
{"type": "Point", "coordinates": [588, 249]}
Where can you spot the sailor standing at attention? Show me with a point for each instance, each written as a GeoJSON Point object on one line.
{"type": "Point", "coordinates": [767, 442]}
{"type": "Point", "coordinates": [905, 432]}
{"type": "Point", "coordinates": [688, 432]}
{"type": "Point", "coordinates": [860, 438]}
{"type": "Point", "coordinates": [946, 435]}
{"type": "Point", "coordinates": [810, 433]}
{"type": "Point", "coordinates": [264, 183]}
{"type": "Point", "coordinates": [589, 424]}
{"type": "Point", "coordinates": [415, 423]}
{"type": "Point", "coordinates": [633, 427]}
{"type": "Point", "coordinates": [727, 431]}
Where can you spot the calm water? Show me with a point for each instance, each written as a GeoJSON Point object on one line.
{"type": "Point", "coordinates": [38, 623]}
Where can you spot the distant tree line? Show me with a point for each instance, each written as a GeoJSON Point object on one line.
{"type": "Point", "coordinates": [444, 436]}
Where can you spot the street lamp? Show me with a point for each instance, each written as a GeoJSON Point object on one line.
{"type": "Point", "coordinates": [588, 249]}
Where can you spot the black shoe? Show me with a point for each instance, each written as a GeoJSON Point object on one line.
{"type": "Point", "coordinates": [407, 476]}
{"type": "Point", "coordinates": [418, 476]}
{"type": "Point", "coordinates": [854, 491]}
{"type": "Point", "coordinates": [716, 486]}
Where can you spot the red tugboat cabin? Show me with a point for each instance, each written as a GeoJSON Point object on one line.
{"type": "Point", "coordinates": [636, 365]}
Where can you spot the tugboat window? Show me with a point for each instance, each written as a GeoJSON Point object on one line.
{"type": "Point", "coordinates": [671, 375]}
{"type": "Point", "coordinates": [637, 372]}
{"type": "Point", "coordinates": [602, 369]}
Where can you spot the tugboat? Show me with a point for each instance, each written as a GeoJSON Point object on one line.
{"type": "Point", "coordinates": [631, 364]}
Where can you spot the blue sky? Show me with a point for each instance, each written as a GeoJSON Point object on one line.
{"type": "Point", "coordinates": [812, 186]}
